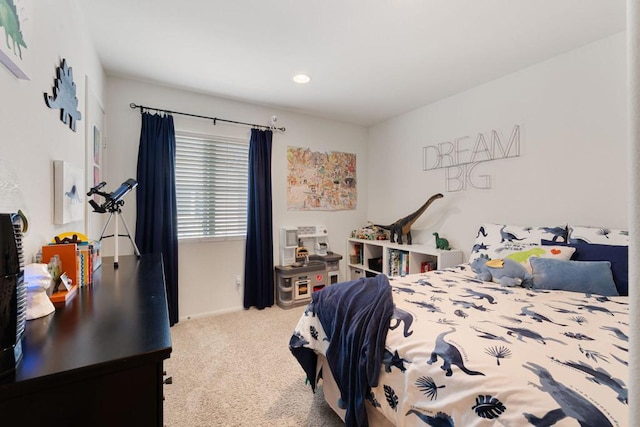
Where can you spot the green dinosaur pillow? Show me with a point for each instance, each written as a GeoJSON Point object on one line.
{"type": "Point", "coordinates": [499, 240]}
{"type": "Point", "coordinates": [555, 252]}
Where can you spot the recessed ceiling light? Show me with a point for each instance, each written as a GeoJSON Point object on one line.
{"type": "Point", "coordinates": [301, 78]}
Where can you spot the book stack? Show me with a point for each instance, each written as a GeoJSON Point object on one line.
{"type": "Point", "coordinates": [86, 256]}
{"type": "Point", "coordinates": [398, 262]}
{"type": "Point", "coordinates": [357, 256]}
{"type": "Point", "coordinates": [394, 262]}
{"type": "Point", "coordinates": [427, 266]}
{"type": "Point", "coordinates": [404, 263]}
{"type": "Point", "coordinates": [79, 260]}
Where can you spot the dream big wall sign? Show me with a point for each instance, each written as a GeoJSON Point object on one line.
{"type": "Point", "coordinates": [460, 157]}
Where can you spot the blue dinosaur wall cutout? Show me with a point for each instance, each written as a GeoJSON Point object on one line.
{"type": "Point", "coordinates": [64, 96]}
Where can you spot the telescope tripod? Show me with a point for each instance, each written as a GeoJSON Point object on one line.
{"type": "Point", "coordinates": [116, 211]}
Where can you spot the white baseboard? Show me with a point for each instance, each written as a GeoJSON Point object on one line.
{"type": "Point", "coordinates": [212, 313]}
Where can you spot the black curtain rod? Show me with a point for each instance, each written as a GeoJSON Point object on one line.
{"type": "Point", "coordinates": [215, 119]}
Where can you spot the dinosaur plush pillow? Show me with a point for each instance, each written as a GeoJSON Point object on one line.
{"type": "Point", "coordinates": [507, 272]}
{"type": "Point", "coordinates": [592, 277]}
{"type": "Point", "coordinates": [617, 255]}
{"type": "Point", "coordinates": [499, 240]}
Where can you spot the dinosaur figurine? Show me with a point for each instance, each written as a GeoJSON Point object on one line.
{"type": "Point", "coordinates": [402, 227]}
{"type": "Point", "coordinates": [442, 243]}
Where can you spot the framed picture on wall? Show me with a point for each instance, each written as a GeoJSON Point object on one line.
{"type": "Point", "coordinates": [68, 191]}
{"type": "Point", "coordinates": [15, 33]}
{"type": "Point", "coordinates": [321, 180]}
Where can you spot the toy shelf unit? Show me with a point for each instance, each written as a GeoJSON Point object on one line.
{"type": "Point", "coordinates": [368, 258]}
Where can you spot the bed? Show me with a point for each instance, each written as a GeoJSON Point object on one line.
{"type": "Point", "coordinates": [444, 348]}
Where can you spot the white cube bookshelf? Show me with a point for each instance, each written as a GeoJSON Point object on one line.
{"type": "Point", "coordinates": [371, 257]}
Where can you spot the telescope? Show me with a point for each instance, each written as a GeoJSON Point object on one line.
{"type": "Point", "coordinates": [112, 203]}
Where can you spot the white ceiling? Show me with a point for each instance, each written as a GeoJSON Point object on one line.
{"type": "Point", "coordinates": [369, 60]}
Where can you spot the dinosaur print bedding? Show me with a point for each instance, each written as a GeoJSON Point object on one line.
{"type": "Point", "coordinates": [462, 352]}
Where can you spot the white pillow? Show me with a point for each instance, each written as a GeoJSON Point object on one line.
{"type": "Point", "coordinates": [499, 240]}
{"type": "Point", "coordinates": [598, 235]}
{"type": "Point", "coordinates": [557, 252]}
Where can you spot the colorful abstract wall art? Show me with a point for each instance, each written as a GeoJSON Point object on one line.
{"type": "Point", "coordinates": [321, 180]}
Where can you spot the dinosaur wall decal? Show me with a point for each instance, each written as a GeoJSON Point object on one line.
{"type": "Point", "coordinates": [402, 227]}
{"type": "Point", "coordinates": [64, 96]}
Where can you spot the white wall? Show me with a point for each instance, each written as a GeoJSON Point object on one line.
{"type": "Point", "coordinates": [32, 133]}
{"type": "Point", "coordinates": [633, 70]}
{"type": "Point", "coordinates": [573, 164]}
{"type": "Point", "coordinates": [207, 271]}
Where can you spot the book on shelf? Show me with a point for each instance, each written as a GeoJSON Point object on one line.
{"type": "Point", "coordinates": [394, 262]}
{"type": "Point", "coordinates": [404, 264]}
{"type": "Point", "coordinates": [96, 255]}
{"type": "Point", "coordinates": [427, 266]}
{"type": "Point", "coordinates": [398, 262]}
{"type": "Point", "coordinates": [85, 263]}
{"type": "Point", "coordinates": [358, 253]}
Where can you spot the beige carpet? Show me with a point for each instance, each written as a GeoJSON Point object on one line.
{"type": "Point", "coordinates": [236, 369]}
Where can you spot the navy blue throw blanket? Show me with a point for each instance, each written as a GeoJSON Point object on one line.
{"type": "Point", "coordinates": [355, 316]}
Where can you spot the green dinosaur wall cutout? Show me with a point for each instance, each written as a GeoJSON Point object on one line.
{"type": "Point", "coordinates": [402, 227]}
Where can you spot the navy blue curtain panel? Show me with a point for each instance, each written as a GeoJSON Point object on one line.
{"type": "Point", "coordinates": [258, 259]}
{"type": "Point", "coordinates": [157, 218]}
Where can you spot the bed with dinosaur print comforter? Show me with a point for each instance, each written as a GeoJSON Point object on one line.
{"type": "Point", "coordinates": [462, 352]}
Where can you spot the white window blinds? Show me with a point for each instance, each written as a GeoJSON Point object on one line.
{"type": "Point", "coordinates": [211, 186]}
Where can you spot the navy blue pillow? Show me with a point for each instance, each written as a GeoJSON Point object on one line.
{"type": "Point", "coordinates": [618, 256]}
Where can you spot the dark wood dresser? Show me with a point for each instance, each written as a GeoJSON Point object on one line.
{"type": "Point", "coordinates": [98, 360]}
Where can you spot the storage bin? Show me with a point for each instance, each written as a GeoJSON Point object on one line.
{"type": "Point", "coordinates": [375, 264]}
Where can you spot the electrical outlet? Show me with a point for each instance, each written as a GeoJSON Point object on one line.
{"type": "Point", "coordinates": [238, 281]}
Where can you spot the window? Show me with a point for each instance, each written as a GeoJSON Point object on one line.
{"type": "Point", "coordinates": [211, 186]}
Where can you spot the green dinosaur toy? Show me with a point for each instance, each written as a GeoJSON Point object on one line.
{"type": "Point", "coordinates": [441, 242]}
{"type": "Point", "coordinates": [402, 227]}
